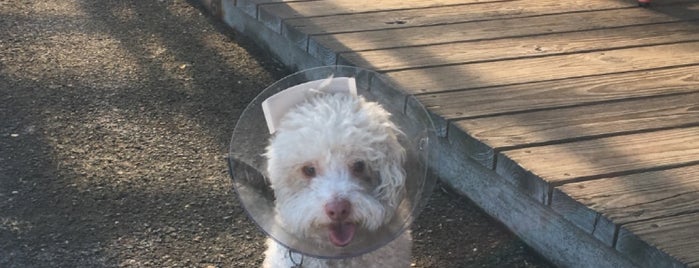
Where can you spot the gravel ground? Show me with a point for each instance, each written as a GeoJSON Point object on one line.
{"type": "Point", "coordinates": [115, 118]}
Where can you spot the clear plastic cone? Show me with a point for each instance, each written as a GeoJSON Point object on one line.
{"type": "Point", "coordinates": [252, 134]}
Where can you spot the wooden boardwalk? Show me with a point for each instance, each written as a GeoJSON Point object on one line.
{"type": "Point", "coordinates": [588, 110]}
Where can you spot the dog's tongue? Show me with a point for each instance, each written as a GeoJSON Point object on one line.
{"type": "Point", "coordinates": [341, 234]}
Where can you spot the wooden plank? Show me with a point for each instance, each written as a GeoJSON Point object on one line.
{"type": "Point", "coordinates": [536, 128]}
{"type": "Point", "coordinates": [613, 156]}
{"type": "Point", "coordinates": [541, 228]}
{"type": "Point", "coordinates": [561, 93]}
{"type": "Point", "coordinates": [494, 29]}
{"type": "Point", "coordinates": [273, 14]}
{"type": "Point", "coordinates": [494, 134]}
{"type": "Point", "coordinates": [299, 29]}
{"type": "Point", "coordinates": [528, 70]}
{"type": "Point", "coordinates": [467, 12]}
{"type": "Point", "coordinates": [584, 218]}
{"type": "Point", "coordinates": [336, 7]}
{"type": "Point", "coordinates": [627, 199]}
{"type": "Point", "coordinates": [250, 6]}
{"type": "Point", "coordinates": [650, 242]}
{"type": "Point", "coordinates": [530, 46]}
{"type": "Point", "coordinates": [552, 94]}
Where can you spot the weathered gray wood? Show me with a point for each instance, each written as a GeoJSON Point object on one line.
{"type": "Point", "coordinates": [619, 155]}
{"type": "Point", "coordinates": [530, 46]}
{"type": "Point", "coordinates": [413, 109]}
{"type": "Point", "coordinates": [627, 199]}
{"type": "Point", "coordinates": [286, 52]}
{"type": "Point", "coordinates": [250, 6]}
{"type": "Point", "coordinates": [273, 14]}
{"type": "Point", "coordinates": [665, 242]}
{"type": "Point", "coordinates": [496, 29]}
{"type": "Point", "coordinates": [326, 8]}
{"type": "Point", "coordinates": [541, 228]}
{"type": "Point", "coordinates": [530, 70]}
{"type": "Point", "coordinates": [476, 150]}
{"type": "Point", "coordinates": [299, 29]}
{"type": "Point", "coordinates": [582, 216]}
{"type": "Point", "coordinates": [555, 126]}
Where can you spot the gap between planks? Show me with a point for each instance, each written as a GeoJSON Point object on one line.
{"type": "Point", "coordinates": [274, 15]}
{"type": "Point", "coordinates": [528, 70]}
{"type": "Point", "coordinates": [399, 59]}
{"type": "Point", "coordinates": [666, 242]}
{"type": "Point", "coordinates": [553, 165]}
{"type": "Point", "coordinates": [302, 28]}
{"type": "Point", "coordinates": [644, 216]}
{"type": "Point", "coordinates": [491, 135]}
{"type": "Point", "coordinates": [628, 199]}
{"type": "Point", "coordinates": [326, 47]}
{"type": "Point", "coordinates": [500, 100]}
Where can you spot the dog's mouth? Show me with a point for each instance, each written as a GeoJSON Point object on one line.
{"type": "Point", "coordinates": [341, 233]}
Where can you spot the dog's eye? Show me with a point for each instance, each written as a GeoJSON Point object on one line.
{"type": "Point", "coordinates": [309, 171]}
{"type": "Point", "coordinates": [358, 167]}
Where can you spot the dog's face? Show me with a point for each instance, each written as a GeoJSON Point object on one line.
{"type": "Point", "coordinates": [336, 166]}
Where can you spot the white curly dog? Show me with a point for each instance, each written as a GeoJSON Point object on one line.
{"type": "Point", "coordinates": [336, 166]}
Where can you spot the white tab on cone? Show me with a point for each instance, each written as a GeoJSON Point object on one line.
{"type": "Point", "coordinates": [276, 106]}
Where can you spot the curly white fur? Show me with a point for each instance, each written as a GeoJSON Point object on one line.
{"type": "Point", "coordinates": [337, 153]}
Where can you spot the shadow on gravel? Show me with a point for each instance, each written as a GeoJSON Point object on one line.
{"type": "Point", "coordinates": [130, 207]}
{"type": "Point", "coordinates": [183, 72]}
{"type": "Point", "coordinates": [106, 166]}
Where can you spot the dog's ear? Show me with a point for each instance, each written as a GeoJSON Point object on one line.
{"type": "Point", "coordinates": [392, 174]}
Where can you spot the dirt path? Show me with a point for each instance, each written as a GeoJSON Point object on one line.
{"type": "Point", "coordinates": [115, 117]}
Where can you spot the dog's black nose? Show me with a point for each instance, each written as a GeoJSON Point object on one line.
{"type": "Point", "coordinates": [338, 210]}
